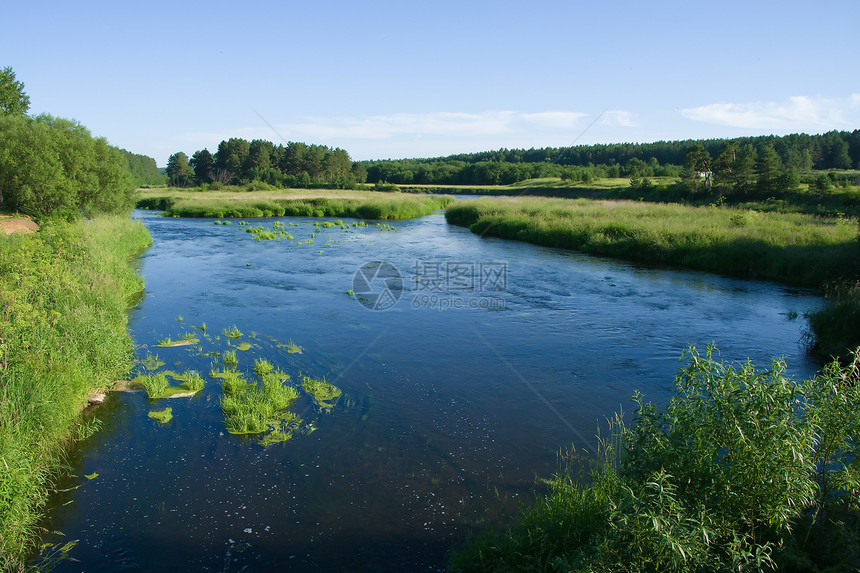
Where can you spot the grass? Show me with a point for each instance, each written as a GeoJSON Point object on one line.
{"type": "Point", "coordinates": [292, 347]}
{"type": "Point", "coordinates": [162, 416]}
{"type": "Point", "coordinates": [792, 248]}
{"type": "Point", "coordinates": [157, 386]}
{"type": "Point", "coordinates": [187, 339]}
{"type": "Point", "coordinates": [323, 393]}
{"type": "Point", "coordinates": [291, 203]}
{"type": "Point", "coordinates": [263, 408]}
{"type": "Point", "coordinates": [64, 294]}
{"type": "Point", "coordinates": [233, 332]}
{"type": "Point", "coordinates": [742, 470]}
{"type": "Point", "coordinates": [229, 359]}
{"type": "Point", "coordinates": [835, 328]}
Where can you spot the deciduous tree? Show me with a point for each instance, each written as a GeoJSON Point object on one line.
{"type": "Point", "coordinates": [13, 100]}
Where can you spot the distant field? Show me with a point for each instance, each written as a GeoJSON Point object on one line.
{"type": "Point", "coordinates": [787, 247]}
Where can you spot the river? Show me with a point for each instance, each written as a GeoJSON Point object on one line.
{"type": "Point", "coordinates": [466, 365]}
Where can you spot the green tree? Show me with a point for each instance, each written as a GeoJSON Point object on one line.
{"type": "Point", "coordinates": [179, 172]}
{"type": "Point", "coordinates": [768, 169]}
{"type": "Point", "coordinates": [734, 169]}
{"type": "Point", "coordinates": [204, 166]}
{"type": "Point", "coordinates": [697, 168]}
{"type": "Point", "coordinates": [53, 167]}
{"type": "Point", "coordinates": [229, 158]}
{"type": "Point", "coordinates": [13, 100]}
{"type": "Point", "coordinates": [258, 159]}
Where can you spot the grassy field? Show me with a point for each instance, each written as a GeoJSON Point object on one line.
{"type": "Point", "coordinates": [791, 248]}
{"type": "Point", "coordinates": [290, 202]}
{"type": "Point", "coordinates": [65, 293]}
{"type": "Point", "coordinates": [836, 202]}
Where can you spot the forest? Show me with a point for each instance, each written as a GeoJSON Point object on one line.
{"type": "Point", "coordinates": [733, 164]}
{"type": "Point", "coordinates": [795, 154]}
{"type": "Point", "coordinates": [239, 161]}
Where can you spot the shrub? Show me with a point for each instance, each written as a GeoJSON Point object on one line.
{"type": "Point", "coordinates": [742, 470]}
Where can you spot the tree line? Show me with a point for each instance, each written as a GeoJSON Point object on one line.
{"type": "Point", "coordinates": [239, 161]}
{"type": "Point", "coordinates": [796, 153]}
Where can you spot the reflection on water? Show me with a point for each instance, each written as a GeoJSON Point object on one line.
{"type": "Point", "coordinates": [449, 410]}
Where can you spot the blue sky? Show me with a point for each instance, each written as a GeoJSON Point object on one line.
{"type": "Point", "coordinates": [422, 79]}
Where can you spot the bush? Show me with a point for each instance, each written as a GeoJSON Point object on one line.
{"type": "Point", "coordinates": [743, 470]}
{"type": "Point", "coordinates": [51, 167]}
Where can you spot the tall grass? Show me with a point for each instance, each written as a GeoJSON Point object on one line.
{"type": "Point", "coordinates": [64, 296]}
{"type": "Point", "coordinates": [835, 327]}
{"type": "Point", "coordinates": [366, 206]}
{"type": "Point", "coordinates": [791, 248]}
{"type": "Point", "coordinates": [743, 470]}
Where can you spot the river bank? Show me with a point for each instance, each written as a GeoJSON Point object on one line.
{"type": "Point", "coordinates": [65, 293]}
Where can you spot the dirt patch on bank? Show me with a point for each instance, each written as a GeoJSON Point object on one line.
{"type": "Point", "coordinates": [17, 224]}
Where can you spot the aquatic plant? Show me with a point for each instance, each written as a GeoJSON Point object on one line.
{"type": "Point", "coordinates": [262, 367]}
{"type": "Point", "coordinates": [260, 409]}
{"type": "Point", "coordinates": [233, 332]}
{"type": "Point", "coordinates": [151, 362]}
{"type": "Point", "coordinates": [192, 381]}
{"type": "Point", "coordinates": [155, 385]}
{"type": "Point", "coordinates": [162, 416]}
{"type": "Point", "coordinates": [186, 339]}
{"type": "Point", "coordinates": [229, 359]}
{"type": "Point", "coordinates": [292, 347]}
{"type": "Point", "coordinates": [232, 383]}
{"type": "Point", "coordinates": [323, 393]}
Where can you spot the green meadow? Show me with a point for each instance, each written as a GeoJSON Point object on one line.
{"type": "Point", "coordinates": [787, 247]}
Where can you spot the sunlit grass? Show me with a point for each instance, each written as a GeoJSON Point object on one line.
{"type": "Point", "coordinates": [322, 203]}
{"type": "Point", "coordinates": [64, 294]}
{"type": "Point", "coordinates": [788, 247]}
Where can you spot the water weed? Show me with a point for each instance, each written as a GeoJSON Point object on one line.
{"type": "Point", "coordinates": [188, 339]}
{"type": "Point", "coordinates": [323, 393]}
{"type": "Point", "coordinates": [292, 347]}
{"type": "Point", "coordinates": [233, 332]}
{"type": "Point", "coordinates": [151, 362]}
{"type": "Point", "coordinates": [162, 416]}
{"type": "Point", "coordinates": [154, 385]}
{"type": "Point", "coordinates": [229, 359]}
{"type": "Point", "coordinates": [262, 367]}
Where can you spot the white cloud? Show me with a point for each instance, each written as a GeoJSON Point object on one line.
{"type": "Point", "coordinates": [799, 112]}
{"type": "Point", "coordinates": [618, 117]}
{"type": "Point", "coordinates": [448, 124]}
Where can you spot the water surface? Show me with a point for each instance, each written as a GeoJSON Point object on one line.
{"type": "Point", "coordinates": [448, 414]}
